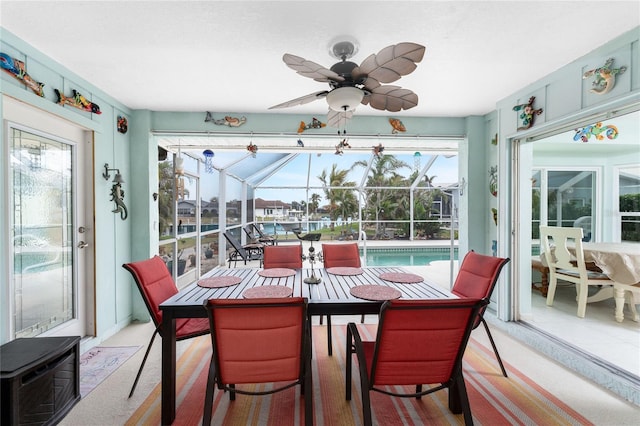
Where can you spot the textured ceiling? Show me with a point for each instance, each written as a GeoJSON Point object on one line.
{"type": "Point", "coordinates": [225, 56]}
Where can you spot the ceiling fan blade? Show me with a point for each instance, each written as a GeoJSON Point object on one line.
{"type": "Point", "coordinates": [391, 63]}
{"type": "Point", "coordinates": [338, 119]}
{"type": "Point", "coordinates": [310, 69]}
{"type": "Point", "coordinates": [391, 98]}
{"type": "Point", "coordinates": [371, 84]}
{"type": "Point", "coordinates": [302, 100]}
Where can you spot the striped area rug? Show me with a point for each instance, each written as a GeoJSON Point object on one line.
{"type": "Point", "coordinates": [494, 399]}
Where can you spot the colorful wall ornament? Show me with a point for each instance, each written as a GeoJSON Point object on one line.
{"type": "Point", "coordinates": [253, 149]}
{"type": "Point", "coordinates": [493, 180]}
{"type": "Point", "coordinates": [604, 77]}
{"type": "Point", "coordinates": [344, 143]}
{"type": "Point", "coordinates": [17, 69]}
{"type": "Point", "coordinates": [397, 126]}
{"type": "Point", "coordinates": [226, 121]}
{"type": "Point", "coordinates": [527, 114]}
{"type": "Point", "coordinates": [122, 124]}
{"type": "Point", "coordinates": [598, 130]}
{"type": "Point", "coordinates": [378, 150]}
{"type": "Point", "coordinates": [78, 101]}
{"type": "Point", "coordinates": [314, 124]}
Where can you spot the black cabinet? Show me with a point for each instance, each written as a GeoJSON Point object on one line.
{"type": "Point", "coordinates": [40, 380]}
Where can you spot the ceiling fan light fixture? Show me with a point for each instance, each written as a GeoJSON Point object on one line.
{"type": "Point", "coordinates": [344, 98]}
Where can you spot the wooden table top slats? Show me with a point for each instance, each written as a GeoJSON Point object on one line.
{"type": "Point", "coordinates": [332, 294]}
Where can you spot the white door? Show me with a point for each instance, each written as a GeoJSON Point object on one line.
{"type": "Point", "coordinates": [51, 247]}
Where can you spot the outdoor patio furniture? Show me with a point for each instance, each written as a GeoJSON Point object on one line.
{"type": "Point", "coordinates": [247, 252]}
{"type": "Point", "coordinates": [418, 342]}
{"type": "Point", "coordinates": [270, 344]}
{"type": "Point", "coordinates": [156, 285]}
{"type": "Point", "coordinates": [477, 278]}
{"type": "Point", "coordinates": [283, 256]}
{"type": "Point", "coordinates": [339, 255]}
{"type": "Point", "coordinates": [254, 234]}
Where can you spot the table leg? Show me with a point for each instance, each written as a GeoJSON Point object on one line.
{"type": "Point", "coordinates": [168, 391]}
{"type": "Point", "coordinates": [619, 298]}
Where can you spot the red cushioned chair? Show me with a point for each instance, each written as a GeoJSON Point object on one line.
{"type": "Point", "coordinates": [156, 285]}
{"type": "Point", "coordinates": [259, 341]}
{"type": "Point", "coordinates": [477, 278]}
{"type": "Point", "coordinates": [283, 257]}
{"type": "Point", "coordinates": [339, 255]}
{"type": "Point", "coordinates": [418, 342]}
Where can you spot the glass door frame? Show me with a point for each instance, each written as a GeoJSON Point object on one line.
{"type": "Point", "coordinates": [82, 321]}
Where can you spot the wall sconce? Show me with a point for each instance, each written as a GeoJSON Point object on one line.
{"type": "Point", "coordinates": [106, 175]}
{"type": "Point", "coordinates": [117, 194]}
{"type": "Point", "coordinates": [462, 186]}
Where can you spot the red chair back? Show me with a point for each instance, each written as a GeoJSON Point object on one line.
{"type": "Point", "coordinates": [341, 255]}
{"type": "Point", "coordinates": [258, 340]}
{"type": "Point", "coordinates": [477, 277]}
{"type": "Point", "coordinates": [154, 282]}
{"type": "Point", "coordinates": [283, 256]}
{"type": "Point", "coordinates": [421, 341]}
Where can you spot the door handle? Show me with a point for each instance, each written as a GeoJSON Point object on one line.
{"type": "Point", "coordinates": [82, 244]}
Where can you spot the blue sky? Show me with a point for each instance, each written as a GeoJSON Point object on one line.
{"type": "Point", "coordinates": [293, 176]}
{"type": "Point", "coordinates": [444, 169]}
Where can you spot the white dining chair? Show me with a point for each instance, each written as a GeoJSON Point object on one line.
{"type": "Point", "coordinates": [563, 264]}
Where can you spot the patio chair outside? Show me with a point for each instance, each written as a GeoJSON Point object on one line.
{"type": "Point", "coordinates": [566, 266]}
{"type": "Point", "coordinates": [247, 252]}
{"type": "Point", "coordinates": [255, 234]}
{"type": "Point", "coordinates": [156, 285]}
{"type": "Point", "coordinates": [283, 256]}
{"type": "Point", "coordinates": [418, 342]}
{"type": "Point", "coordinates": [477, 278]}
{"type": "Point", "coordinates": [259, 341]}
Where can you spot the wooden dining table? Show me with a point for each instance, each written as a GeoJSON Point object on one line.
{"type": "Point", "coordinates": [331, 296]}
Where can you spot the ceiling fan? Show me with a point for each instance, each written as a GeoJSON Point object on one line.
{"type": "Point", "coordinates": [352, 84]}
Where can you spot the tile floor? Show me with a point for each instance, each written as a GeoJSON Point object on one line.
{"type": "Point", "coordinates": [597, 333]}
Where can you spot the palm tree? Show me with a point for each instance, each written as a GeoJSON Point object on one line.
{"type": "Point", "coordinates": [165, 195]}
{"type": "Point", "coordinates": [315, 202]}
{"type": "Point", "coordinates": [342, 201]}
{"type": "Point", "coordinates": [383, 173]}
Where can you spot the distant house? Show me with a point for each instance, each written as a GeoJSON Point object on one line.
{"type": "Point", "coordinates": [273, 208]}
{"type": "Point", "coordinates": [187, 208]}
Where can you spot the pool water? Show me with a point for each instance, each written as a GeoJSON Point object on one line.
{"type": "Point", "coordinates": [407, 256]}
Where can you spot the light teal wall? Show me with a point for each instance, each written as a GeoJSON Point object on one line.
{"type": "Point", "coordinates": [562, 95]}
{"type": "Point", "coordinates": [112, 235]}
{"type": "Point", "coordinates": [566, 99]}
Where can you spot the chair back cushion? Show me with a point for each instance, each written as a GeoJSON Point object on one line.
{"type": "Point", "coordinates": [478, 275]}
{"type": "Point", "coordinates": [258, 340]}
{"type": "Point", "coordinates": [283, 256]}
{"type": "Point", "coordinates": [341, 255]}
{"type": "Point", "coordinates": [422, 341]}
{"type": "Point", "coordinates": [154, 282]}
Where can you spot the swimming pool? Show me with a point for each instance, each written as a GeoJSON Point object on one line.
{"type": "Point", "coordinates": [407, 256]}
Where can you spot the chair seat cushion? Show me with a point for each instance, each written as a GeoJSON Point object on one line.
{"type": "Point", "coordinates": [191, 327]}
{"type": "Point", "coordinates": [592, 275]}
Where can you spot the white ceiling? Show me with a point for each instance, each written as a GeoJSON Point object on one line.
{"type": "Point", "coordinates": [226, 56]}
